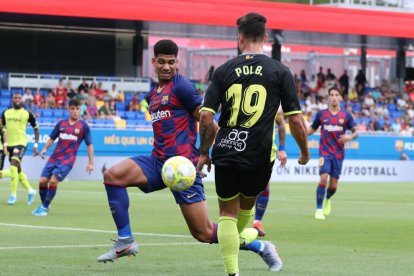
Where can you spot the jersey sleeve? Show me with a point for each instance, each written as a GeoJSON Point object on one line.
{"type": "Point", "coordinates": [32, 120]}
{"type": "Point", "coordinates": [189, 97]}
{"type": "Point", "coordinates": [289, 97]}
{"type": "Point", "coordinates": [87, 134]}
{"type": "Point", "coordinates": [317, 121]}
{"type": "Point", "coordinates": [3, 118]}
{"type": "Point", "coordinates": [55, 132]}
{"type": "Point", "coordinates": [351, 122]}
{"type": "Point", "coordinates": [213, 94]}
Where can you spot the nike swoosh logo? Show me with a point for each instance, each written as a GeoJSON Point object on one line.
{"type": "Point", "coordinates": [123, 250]}
{"type": "Point", "coordinates": [190, 196]}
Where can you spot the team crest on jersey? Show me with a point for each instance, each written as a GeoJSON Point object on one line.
{"type": "Point", "coordinates": [341, 121]}
{"type": "Point", "coordinates": [16, 151]}
{"type": "Point", "coordinates": [164, 99]}
{"type": "Point", "coordinates": [77, 130]}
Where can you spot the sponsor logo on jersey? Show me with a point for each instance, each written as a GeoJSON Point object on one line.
{"type": "Point", "coordinates": [164, 99]}
{"type": "Point", "coordinates": [160, 114]}
{"type": "Point", "coordinates": [67, 136]}
{"type": "Point", "coordinates": [333, 128]}
{"type": "Point", "coordinates": [234, 140]}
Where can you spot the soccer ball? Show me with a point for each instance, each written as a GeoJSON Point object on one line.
{"type": "Point", "coordinates": [178, 173]}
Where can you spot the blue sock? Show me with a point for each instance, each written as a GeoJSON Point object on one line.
{"type": "Point", "coordinates": [261, 204]}
{"type": "Point", "coordinates": [253, 246]}
{"type": "Point", "coordinates": [51, 192]}
{"type": "Point", "coordinates": [330, 192]}
{"type": "Point", "coordinates": [119, 204]}
{"type": "Point", "coordinates": [320, 195]}
{"type": "Point", "coordinates": [42, 193]}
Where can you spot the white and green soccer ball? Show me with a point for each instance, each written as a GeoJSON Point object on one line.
{"type": "Point", "coordinates": [178, 173]}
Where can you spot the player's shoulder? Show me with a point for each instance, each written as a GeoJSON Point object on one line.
{"type": "Point", "coordinates": [180, 80]}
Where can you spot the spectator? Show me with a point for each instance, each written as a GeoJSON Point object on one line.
{"type": "Point", "coordinates": [134, 104]}
{"type": "Point", "coordinates": [369, 100]}
{"type": "Point", "coordinates": [396, 126]}
{"type": "Point", "coordinates": [71, 93]}
{"type": "Point", "coordinates": [360, 81]}
{"type": "Point", "coordinates": [38, 99]}
{"type": "Point", "coordinates": [33, 108]}
{"type": "Point", "coordinates": [144, 105]}
{"type": "Point", "coordinates": [114, 93]}
{"type": "Point", "coordinates": [91, 103]}
{"type": "Point", "coordinates": [50, 101]}
{"type": "Point", "coordinates": [99, 92]}
{"type": "Point", "coordinates": [105, 111]}
{"type": "Point", "coordinates": [330, 76]}
{"type": "Point", "coordinates": [60, 94]}
{"type": "Point", "coordinates": [209, 74]}
{"type": "Point", "coordinates": [344, 83]}
{"type": "Point", "coordinates": [83, 86]}
{"type": "Point", "coordinates": [82, 95]}
{"type": "Point", "coordinates": [27, 97]}
{"type": "Point", "coordinates": [83, 108]}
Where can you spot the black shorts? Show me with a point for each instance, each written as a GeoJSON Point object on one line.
{"type": "Point", "coordinates": [231, 181]}
{"type": "Point", "coordinates": [2, 158]}
{"type": "Point", "coordinates": [16, 152]}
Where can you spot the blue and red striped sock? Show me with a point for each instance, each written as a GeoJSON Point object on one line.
{"type": "Point", "coordinates": [51, 192]}
{"type": "Point", "coordinates": [320, 195]}
{"type": "Point", "coordinates": [261, 204]}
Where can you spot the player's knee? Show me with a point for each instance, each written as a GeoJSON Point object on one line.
{"type": "Point", "coordinates": [108, 176]}
{"type": "Point", "coordinates": [203, 236]}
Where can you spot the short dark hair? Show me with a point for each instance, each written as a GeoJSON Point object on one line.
{"type": "Point", "coordinates": [252, 26]}
{"type": "Point", "coordinates": [166, 47]}
{"type": "Point", "coordinates": [74, 102]}
{"type": "Point", "coordinates": [335, 87]}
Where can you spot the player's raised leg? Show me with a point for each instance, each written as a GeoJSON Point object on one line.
{"type": "Point", "coordinates": [261, 205]}
{"type": "Point", "coordinates": [116, 180]}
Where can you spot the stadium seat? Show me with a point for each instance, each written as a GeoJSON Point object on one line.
{"type": "Point", "coordinates": [392, 107]}
{"type": "Point", "coordinates": [4, 103]}
{"type": "Point", "coordinates": [120, 106]}
{"type": "Point", "coordinates": [47, 113]}
{"type": "Point", "coordinates": [140, 115]}
{"type": "Point", "coordinates": [5, 93]}
{"type": "Point", "coordinates": [58, 113]}
{"type": "Point", "coordinates": [99, 121]}
{"type": "Point", "coordinates": [17, 90]}
{"type": "Point", "coordinates": [122, 114]}
{"type": "Point", "coordinates": [130, 115]}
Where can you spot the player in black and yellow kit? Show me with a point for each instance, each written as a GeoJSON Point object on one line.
{"type": "Point", "coordinates": [249, 89]}
{"type": "Point", "coordinates": [14, 121]}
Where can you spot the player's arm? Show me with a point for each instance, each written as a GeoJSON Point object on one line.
{"type": "Point", "coordinates": [350, 125]}
{"type": "Point", "coordinates": [49, 143]}
{"type": "Point", "coordinates": [32, 121]}
{"type": "Point", "coordinates": [208, 128]}
{"type": "Point", "coordinates": [88, 141]}
{"type": "Point", "coordinates": [4, 133]}
{"type": "Point", "coordinates": [292, 110]}
{"type": "Point", "coordinates": [281, 154]}
{"type": "Point", "coordinates": [315, 125]}
{"type": "Point", "coordinates": [197, 115]}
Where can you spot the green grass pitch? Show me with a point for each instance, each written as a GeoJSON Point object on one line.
{"type": "Point", "coordinates": [370, 232]}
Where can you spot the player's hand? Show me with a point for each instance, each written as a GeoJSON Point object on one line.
{"type": "Point", "coordinates": [344, 138]}
{"type": "Point", "coordinates": [203, 160]}
{"type": "Point", "coordinates": [89, 168]}
{"type": "Point", "coordinates": [35, 152]}
{"type": "Point", "coordinates": [42, 153]}
{"type": "Point", "coordinates": [303, 158]}
{"type": "Point", "coordinates": [282, 157]}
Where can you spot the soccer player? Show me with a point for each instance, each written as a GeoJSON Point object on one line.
{"type": "Point", "coordinates": [249, 88]}
{"type": "Point", "coordinates": [174, 106]}
{"type": "Point", "coordinates": [15, 122]}
{"type": "Point", "coordinates": [334, 123]}
{"type": "Point", "coordinates": [263, 198]}
{"type": "Point", "coordinates": [71, 132]}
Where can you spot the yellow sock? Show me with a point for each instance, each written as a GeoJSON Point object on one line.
{"type": "Point", "coordinates": [25, 183]}
{"type": "Point", "coordinates": [228, 238]}
{"type": "Point", "coordinates": [14, 179]}
{"type": "Point", "coordinates": [245, 218]}
{"type": "Point", "coordinates": [5, 173]}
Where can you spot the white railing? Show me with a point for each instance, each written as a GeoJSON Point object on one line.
{"type": "Point", "coordinates": [387, 5]}
{"type": "Point", "coordinates": [46, 81]}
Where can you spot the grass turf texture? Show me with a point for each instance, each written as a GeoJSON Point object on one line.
{"type": "Point", "coordinates": [369, 232]}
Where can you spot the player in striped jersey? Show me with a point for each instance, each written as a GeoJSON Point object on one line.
{"type": "Point", "coordinates": [334, 123]}
{"type": "Point", "coordinates": [70, 132]}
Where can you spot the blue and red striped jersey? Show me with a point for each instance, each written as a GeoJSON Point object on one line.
{"type": "Point", "coordinates": [175, 129]}
{"type": "Point", "coordinates": [332, 127]}
{"type": "Point", "coordinates": [70, 137]}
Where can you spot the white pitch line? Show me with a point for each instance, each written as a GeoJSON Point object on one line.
{"type": "Point", "coordinates": [93, 245]}
{"type": "Point", "coordinates": [90, 230]}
